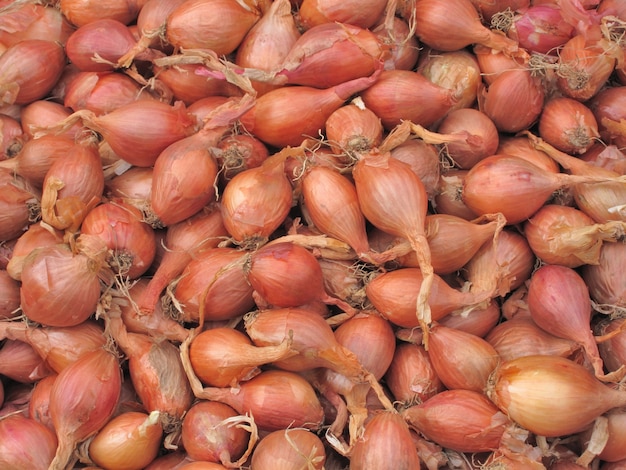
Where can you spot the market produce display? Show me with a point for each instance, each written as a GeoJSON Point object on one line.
{"type": "Point", "coordinates": [313, 234]}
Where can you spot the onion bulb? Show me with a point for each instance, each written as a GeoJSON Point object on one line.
{"type": "Point", "coordinates": [540, 393]}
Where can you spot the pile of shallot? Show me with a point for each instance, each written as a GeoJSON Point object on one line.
{"type": "Point", "coordinates": [313, 234]}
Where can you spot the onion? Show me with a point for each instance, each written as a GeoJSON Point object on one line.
{"type": "Point", "coordinates": [540, 29]}
{"type": "Point", "coordinates": [132, 242]}
{"type": "Point", "coordinates": [238, 152]}
{"type": "Point", "coordinates": [157, 325]}
{"type": "Point", "coordinates": [29, 70]}
{"type": "Point", "coordinates": [289, 449]}
{"type": "Point", "coordinates": [116, 444]}
{"type": "Point", "coordinates": [26, 443]}
{"type": "Point", "coordinates": [182, 241]}
{"type": "Point", "coordinates": [423, 159]}
{"type": "Point", "coordinates": [457, 71]}
{"type": "Point", "coordinates": [522, 147]}
{"type": "Point", "coordinates": [81, 12]}
{"type": "Point", "coordinates": [461, 360]}
{"type": "Point", "coordinates": [438, 29]}
{"type": "Point", "coordinates": [502, 266]}
{"type": "Point", "coordinates": [102, 92]}
{"type": "Point", "coordinates": [72, 187]}
{"type": "Point", "coordinates": [613, 450]}
{"type": "Point", "coordinates": [188, 86]}
{"type": "Point", "coordinates": [568, 125]}
{"type": "Point", "coordinates": [448, 196]}
{"type": "Point", "coordinates": [411, 377]}
{"type": "Point", "coordinates": [567, 236]}
{"type": "Point", "coordinates": [540, 392]}
{"type": "Point", "coordinates": [311, 57]}
{"type": "Point", "coordinates": [488, 8]}
{"type": "Point", "coordinates": [213, 432]}
{"type": "Point", "coordinates": [42, 113]}
{"type": "Point", "coordinates": [479, 322]}
{"type": "Point", "coordinates": [11, 137]}
{"type": "Point", "coordinates": [524, 96]}
{"type": "Point", "coordinates": [256, 201]}
{"type": "Point", "coordinates": [39, 403]}
{"type": "Point", "coordinates": [219, 25]}
{"type": "Point", "coordinates": [98, 45]}
{"type": "Point", "coordinates": [386, 443]}
{"type": "Point", "coordinates": [586, 61]}
{"type": "Point", "coordinates": [185, 172]}
{"type": "Point", "coordinates": [21, 363]}
{"type": "Point", "coordinates": [396, 94]}
{"type": "Point", "coordinates": [330, 200]}
{"type": "Point", "coordinates": [559, 302]}
{"type": "Point", "coordinates": [9, 296]}
{"type": "Point", "coordinates": [57, 346]}
{"type": "Point", "coordinates": [606, 286]}
{"type": "Point", "coordinates": [139, 131]}
{"type": "Point", "coordinates": [400, 42]}
{"type": "Point", "coordinates": [607, 108]}
{"type": "Point", "coordinates": [278, 399]}
{"type": "Point", "coordinates": [131, 187]}
{"type": "Point", "coordinates": [469, 136]}
{"type": "Point", "coordinates": [37, 235]}
{"type": "Point", "coordinates": [362, 14]}
{"type": "Point", "coordinates": [16, 201]}
{"type": "Point", "coordinates": [462, 420]}
{"type": "Point", "coordinates": [82, 400]}
{"type": "Point", "coordinates": [520, 336]}
{"type": "Point", "coordinates": [268, 42]}
{"type": "Point", "coordinates": [313, 338]}
{"type": "Point", "coordinates": [170, 393]}
{"type": "Point", "coordinates": [394, 294]}
{"type": "Point", "coordinates": [201, 465]}
{"type": "Point", "coordinates": [34, 21]}
{"type": "Point", "coordinates": [353, 129]}
{"type": "Point", "coordinates": [59, 287]}
{"type": "Point", "coordinates": [215, 367]}
{"type": "Point", "coordinates": [272, 121]}
{"type": "Point", "coordinates": [513, 186]}
{"type": "Point", "coordinates": [151, 21]}
{"type": "Point", "coordinates": [36, 157]}
{"type": "Point", "coordinates": [381, 182]}
{"type": "Point", "coordinates": [454, 241]}
{"type": "Point", "coordinates": [284, 274]}
{"type": "Point", "coordinates": [214, 283]}
{"type": "Point", "coordinates": [603, 202]}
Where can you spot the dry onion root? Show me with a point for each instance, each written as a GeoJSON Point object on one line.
{"type": "Point", "coordinates": [368, 235]}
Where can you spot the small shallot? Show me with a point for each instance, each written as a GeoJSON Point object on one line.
{"type": "Point", "coordinates": [540, 393]}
